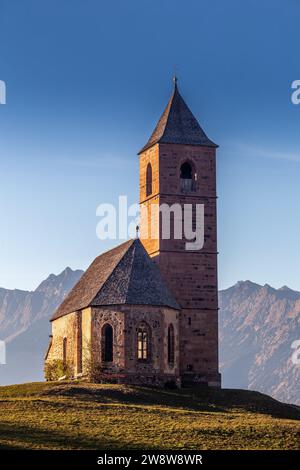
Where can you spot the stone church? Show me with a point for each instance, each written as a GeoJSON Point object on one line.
{"type": "Point", "coordinates": [146, 312]}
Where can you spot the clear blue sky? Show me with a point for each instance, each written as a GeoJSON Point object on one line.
{"type": "Point", "coordinates": [87, 81]}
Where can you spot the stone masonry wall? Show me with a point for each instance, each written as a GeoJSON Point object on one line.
{"type": "Point", "coordinates": [83, 330]}
{"type": "Point", "coordinates": [64, 327]}
{"type": "Point", "coordinates": [115, 317]}
{"type": "Point", "coordinates": [125, 320]}
{"type": "Point", "coordinates": [76, 327]}
{"type": "Point", "coordinates": [191, 275]}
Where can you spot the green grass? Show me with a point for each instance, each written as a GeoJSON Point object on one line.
{"type": "Point", "coordinates": [86, 416]}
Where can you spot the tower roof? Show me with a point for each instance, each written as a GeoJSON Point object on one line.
{"type": "Point", "coordinates": [178, 125]}
{"type": "Point", "coordinates": [124, 275]}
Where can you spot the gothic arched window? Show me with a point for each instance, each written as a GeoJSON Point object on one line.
{"type": "Point", "coordinates": [65, 344]}
{"type": "Point", "coordinates": [149, 180]}
{"type": "Point", "coordinates": [171, 345]}
{"type": "Point", "coordinates": [107, 343]}
{"type": "Point", "coordinates": [143, 342]}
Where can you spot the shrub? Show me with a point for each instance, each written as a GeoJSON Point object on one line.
{"type": "Point", "coordinates": [57, 369]}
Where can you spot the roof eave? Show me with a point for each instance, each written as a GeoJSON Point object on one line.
{"type": "Point", "coordinates": [53, 318]}
{"type": "Point", "coordinates": [177, 308]}
{"type": "Point", "coordinates": [148, 146]}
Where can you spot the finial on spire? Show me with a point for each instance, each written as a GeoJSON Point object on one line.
{"type": "Point", "coordinates": [175, 79]}
{"type": "Point", "coordinates": [137, 230]}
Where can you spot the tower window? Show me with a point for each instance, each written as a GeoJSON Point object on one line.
{"type": "Point", "coordinates": [186, 177]}
{"type": "Point", "coordinates": [149, 180]}
{"type": "Point", "coordinates": [143, 342]}
{"type": "Point", "coordinates": [186, 172]}
{"type": "Point", "coordinates": [107, 343]}
{"type": "Point", "coordinates": [171, 345]}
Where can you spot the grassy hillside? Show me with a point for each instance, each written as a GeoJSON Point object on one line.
{"type": "Point", "coordinates": [85, 416]}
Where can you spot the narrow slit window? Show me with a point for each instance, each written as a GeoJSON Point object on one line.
{"type": "Point", "coordinates": [65, 346]}
{"type": "Point", "coordinates": [171, 345]}
{"type": "Point", "coordinates": [149, 180]}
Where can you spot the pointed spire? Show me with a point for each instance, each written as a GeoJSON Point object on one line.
{"type": "Point", "coordinates": [178, 125]}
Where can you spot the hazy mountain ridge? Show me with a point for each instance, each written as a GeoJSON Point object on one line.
{"type": "Point", "coordinates": [24, 325]}
{"type": "Point", "coordinates": [19, 309]}
{"type": "Point", "coordinates": [257, 327]}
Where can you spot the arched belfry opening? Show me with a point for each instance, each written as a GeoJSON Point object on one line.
{"type": "Point", "coordinates": [107, 343]}
{"type": "Point", "coordinates": [187, 177]}
{"type": "Point", "coordinates": [186, 171]}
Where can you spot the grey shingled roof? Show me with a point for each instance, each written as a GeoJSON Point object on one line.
{"type": "Point", "coordinates": [178, 125]}
{"type": "Point", "coordinates": [123, 275]}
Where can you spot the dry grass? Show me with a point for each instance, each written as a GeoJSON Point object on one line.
{"type": "Point", "coordinates": [85, 416]}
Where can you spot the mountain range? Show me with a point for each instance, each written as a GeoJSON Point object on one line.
{"type": "Point", "coordinates": [257, 326]}
{"type": "Point", "coordinates": [25, 327]}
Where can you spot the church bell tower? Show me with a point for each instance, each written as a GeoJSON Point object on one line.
{"type": "Point", "coordinates": [178, 166]}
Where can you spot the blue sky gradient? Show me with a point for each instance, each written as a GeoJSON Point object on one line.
{"type": "Point", "coordinates": [86, 83]}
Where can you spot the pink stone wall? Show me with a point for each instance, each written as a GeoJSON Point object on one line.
{"type": "Point", "coordinates": [191, 275]}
